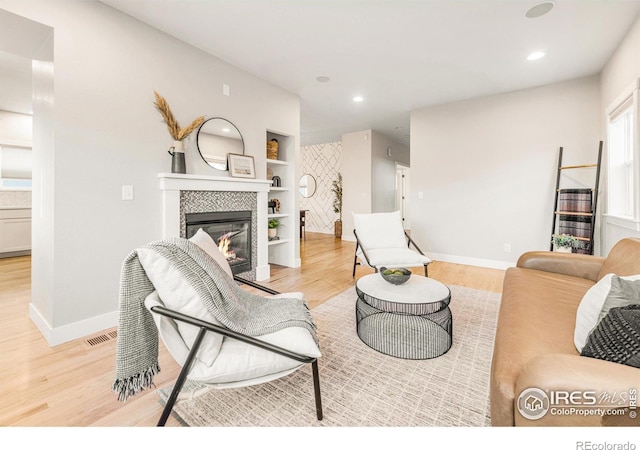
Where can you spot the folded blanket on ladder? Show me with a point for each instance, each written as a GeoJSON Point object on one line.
{"type": "Point", "coordinates": [576, 201]}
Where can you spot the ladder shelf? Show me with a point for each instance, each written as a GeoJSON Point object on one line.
{"type": "Point", "coordinates": [579, 223]}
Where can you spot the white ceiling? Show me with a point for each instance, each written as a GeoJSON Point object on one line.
{"type": "Point", "coordinates": [398, 54]}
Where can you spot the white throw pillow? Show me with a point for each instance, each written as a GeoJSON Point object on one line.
{"type": "Point", "coordinates": [178, 294]}
{"type": "Point", "coordinates": [588, 313]}
{"type": "Point", "coordinates": [204, 240]}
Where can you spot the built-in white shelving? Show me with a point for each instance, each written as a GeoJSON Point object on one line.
{"type": "Point", "coordinates": [282, 251]}
{"type": "Point", "coordinates": [278, 241]}
{"type": "Point", "coordinates": [277, 162]}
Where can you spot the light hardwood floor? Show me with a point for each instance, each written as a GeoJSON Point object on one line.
{"type": "Point", "coordinates": [70, 384]}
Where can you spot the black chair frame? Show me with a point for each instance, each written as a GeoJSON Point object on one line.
{"type": "Point", "coordinates": [208, 326]}
{"type": "Point", "coordinates": [410, 242]}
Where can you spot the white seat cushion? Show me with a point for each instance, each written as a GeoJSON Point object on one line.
{"type": "Point", "coordinates": [237, 363]}
{"type": "Point", "coordinates": [178, 294]}
{"type": "Point", "coordinates": [380, 230]}
{"type": "Point", "coordinates": [382, 237]}
{"type": "Point", "coordinates": [396, 257]}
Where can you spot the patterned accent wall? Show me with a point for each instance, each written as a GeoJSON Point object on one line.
{"type": "Point", "coordinates": [216, 201]}
{"type": "Point", "coordinates": [323, 161]}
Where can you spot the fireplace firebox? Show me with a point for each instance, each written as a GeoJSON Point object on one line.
{"type": "Point", "coordinates": [230, 230]}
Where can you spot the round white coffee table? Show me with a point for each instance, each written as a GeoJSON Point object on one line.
{"type": "Point", "coordinates": [409, 321]}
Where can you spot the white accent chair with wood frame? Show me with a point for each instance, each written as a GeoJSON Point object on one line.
{"type": "Point", "coordinates": [381, 241]}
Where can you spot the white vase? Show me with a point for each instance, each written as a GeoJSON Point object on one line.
{"type": "Point", "coordinates": [563, 249]}
{"type": "Point", "coordinates": [273, 232]}
{"type": "Point", "coordinates": [178, 146]}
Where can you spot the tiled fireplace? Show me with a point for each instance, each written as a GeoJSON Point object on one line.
{"type": "Point", "coordinates": [203, 197]}
{"type": "Point", "coordinates": [232, 233]}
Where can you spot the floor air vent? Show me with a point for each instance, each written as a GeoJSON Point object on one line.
{"type": "Point", "coordinates": [101, 338]}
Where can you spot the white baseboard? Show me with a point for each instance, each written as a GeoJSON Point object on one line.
{"type": "Point", "coordinates": [468, 261]}
{"type": "Point", "coordinates": [309, 230]}
{"type": "Point", "coordinates": [72, 331]}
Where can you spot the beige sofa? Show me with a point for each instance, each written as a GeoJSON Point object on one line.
{"type": "Point", "coordinates": [534, 346]}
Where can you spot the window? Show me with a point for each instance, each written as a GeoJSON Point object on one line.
{"type": "Point", "coordinates": [621, 183]}
{"type": "Point", "coordinates": [623, 162]}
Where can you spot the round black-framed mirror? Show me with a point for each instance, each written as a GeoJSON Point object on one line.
{"type": "Point", "coordinates": [216, 138]}
{"type": "Point", "coordinates": [307, 185]}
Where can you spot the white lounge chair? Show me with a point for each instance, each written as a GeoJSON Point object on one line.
{"type": "Point", "coordinates": [381, 241]}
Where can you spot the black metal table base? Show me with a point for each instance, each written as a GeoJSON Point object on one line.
{"type": "Point", "coordinates": [406, 336]}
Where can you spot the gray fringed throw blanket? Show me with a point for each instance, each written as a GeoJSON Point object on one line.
{"type": "Point", "coordinates": [236, 308]}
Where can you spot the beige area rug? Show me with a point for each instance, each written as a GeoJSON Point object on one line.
{"type": "Point", "coordinates": [362, 387]}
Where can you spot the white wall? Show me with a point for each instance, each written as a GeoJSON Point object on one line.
{"type": "Point", "coordinates": [356, 178]}
{"type": "Point", "coordinates": [369, 175]}
{"type": "Point", "coordinates": [106, 133]}
{"type": "Point", "coordinates": [15, 129]}
{"type": "Point", "coordinates": [487, 169]}
{"type": "Point", "coordinates": [622, 69]}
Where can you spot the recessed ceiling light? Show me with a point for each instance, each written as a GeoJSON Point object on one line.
{"type": "Point", "coordinates": [358, 99]}
{"type": "Point", "coordinates": [535, 55]}
{"type": "Point", "coordinates": [539, 10]}
{"type": "Point", "coordinates": [323, 79]}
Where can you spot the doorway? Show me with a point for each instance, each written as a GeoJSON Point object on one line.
{"type": "Point", "coordinates": [22, 38]}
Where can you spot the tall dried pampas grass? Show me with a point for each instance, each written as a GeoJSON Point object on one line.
{"type": "Point", "coordinates": [177, 133]}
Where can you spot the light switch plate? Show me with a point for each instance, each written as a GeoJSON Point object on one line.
{"type": "Point", "coordinates": [127, 192]}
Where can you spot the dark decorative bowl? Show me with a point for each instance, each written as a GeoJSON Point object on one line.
{"type": "Point", "coordinates": [396, 276]}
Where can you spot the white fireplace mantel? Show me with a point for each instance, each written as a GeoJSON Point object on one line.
{"type": "Point", "coordinates": [182, 182]}
{"type": "Point", "coordinates": [171, 184]}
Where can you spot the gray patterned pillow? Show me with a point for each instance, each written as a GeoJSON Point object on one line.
{"type": "Point", "coordinates": [622, 293]}
{"type": "Point", "coordinates": [617, 337]}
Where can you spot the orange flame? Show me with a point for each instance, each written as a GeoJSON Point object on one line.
{"type": "Point", "coordinates": [223, 245]}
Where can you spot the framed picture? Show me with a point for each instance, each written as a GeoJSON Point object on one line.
{"type": "Point", "coordinates": [241, 166]}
